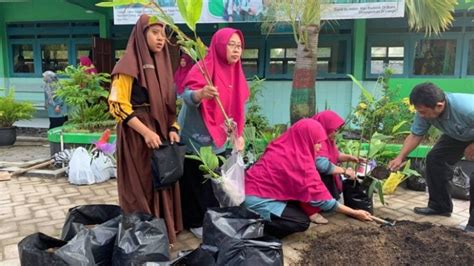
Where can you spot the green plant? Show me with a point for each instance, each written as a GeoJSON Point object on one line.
{"type": "Point", "coordinates": [254, 117]}
{"type": "Point", "coordinates": [86, 97]}
{"type": "Point", "coordinates": [12, 110]}
{"type": "Point", "coordinates": [209, 161]}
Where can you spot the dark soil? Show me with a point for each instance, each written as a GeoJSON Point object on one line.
{"type": "Point", "coordinates": [406, 243]}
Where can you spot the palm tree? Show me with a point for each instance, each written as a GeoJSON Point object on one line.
{"type": "Point", "coordinates": [433, 16]}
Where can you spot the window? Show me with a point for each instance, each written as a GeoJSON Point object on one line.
{"type": "Point", "coordinates": [282, 61]}
{"type": "Point", "coordinates": [382, 56]}
{"type": "Point", "coordinates": [470, 61]}
{"type": "Point", "coordinates": [23, 58]}
{"type": "Point", "coordinates": [434, 57]}
{"type": "Point", "coordinates": [250, 62]}
{"type": "Point", "coordinates": [332, 58]}
{"type": "Point", "coordinates": [54, 57]}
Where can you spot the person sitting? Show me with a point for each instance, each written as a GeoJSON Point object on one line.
{"type": "Point", "coordinates": [286, 176]}
{"type": "Point", "coordinates": [328, 159]}
{"type": "Point", "coordinates": [20, 66]}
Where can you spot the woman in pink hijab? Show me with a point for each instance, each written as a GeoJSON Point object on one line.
{"type": "Point", "coordinates": [202, 121]}
{"type": "Point", "coordinates": [85, 61]}
{"type": "Point", "coordinates": [185, 65]}
{"type": "Point", "coordinates": [286, 176]}
{"type": "Point", "coordinates": [328, 159]}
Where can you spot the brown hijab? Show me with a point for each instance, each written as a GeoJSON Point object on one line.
{"type": "Point", "coordinates": [153, 72]}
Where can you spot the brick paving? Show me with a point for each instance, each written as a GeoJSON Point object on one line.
{"type": "Point", "coordinates": [32, 204]}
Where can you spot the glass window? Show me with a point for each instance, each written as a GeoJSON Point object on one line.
{"type": "Point", "coordinates": [434, 57]}
{"type": "Point", "coordinates": [83, 50]}
{"type": "Point", "coordinates": [332, 59]}
{"type": "Point", "coordinates": [470, 61]}
{"type": "Point", "coordinates": [382, 56]}
{"type": "Point", "coordinates": [54, 57]}
{"type": "Point", "coordinates": [250, 62]}
{"type": "Point", "coordinates": [282, 61]}
{"type": "Point", "coordinates": [23, 58]}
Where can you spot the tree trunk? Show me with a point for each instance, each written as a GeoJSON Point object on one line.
{"type": "Point", "coordinates": [303, 93]}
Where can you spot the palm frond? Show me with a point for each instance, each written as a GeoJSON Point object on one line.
{"type": "Point", "coordinates": [433, 16]}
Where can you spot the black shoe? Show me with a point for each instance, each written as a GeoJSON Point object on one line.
{"type": "Point", "coordinates": [469, 228]}
{"type": "Point", "coordinates": [429, 211]}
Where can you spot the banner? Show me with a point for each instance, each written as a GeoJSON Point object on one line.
{"type": "Point", "coordinates": [218, 11]}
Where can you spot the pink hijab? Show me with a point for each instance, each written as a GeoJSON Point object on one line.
{"type": "Point", "coordinates": [87, 62]}
{"type": "Point", "coordinates": [230, 82]}
{"type": "Point", "coordinates": [286, 171]}
{"type": "Point", "coordinates": [181, 72]}
{"type": "Point", "coordinates": [330, 122]}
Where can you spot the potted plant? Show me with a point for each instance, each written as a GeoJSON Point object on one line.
{"type": "Point", "coordinates": [10, 112]}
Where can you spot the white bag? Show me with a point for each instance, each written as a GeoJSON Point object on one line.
{"type": "Point", "coordinates": [103, 167]}
{"type": "Point", "coordinates": [80, 171]}
{"type": "Point", "coordinates": [230, 189]}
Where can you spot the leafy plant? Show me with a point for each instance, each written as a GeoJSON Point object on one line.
{"type": "Point", "coordinates": [12, 110]}
{"type": "Point", "coordinates": [254, 117]}
{"type": "Point", "coordinates": [209, 161]}
{"type": "Point", "coordinates": [84, 94]}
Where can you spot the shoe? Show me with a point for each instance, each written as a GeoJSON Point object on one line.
{"type": "Point", "coordinates": [469, 228]}
{"type": "Point", "coordinates": [429, 211]}
{"type": "Point", "coordinates": [197, 232]}
{"type": "Point", "coordinates": [318, 219]}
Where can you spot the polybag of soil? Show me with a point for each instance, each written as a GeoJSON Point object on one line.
{"type": "Point", "coordinates": [141, 238]}
{"type": "Point", "coordinates": [96, 242]}
{"type": "Point", "coordinates": [460, 183]}
{"type": "Point", "coordinates": [84, 216]}
{"type": "Point", "coordinates": [232, 222]}
{"type": "Point", "coordinates": [260, 251]}
{"type": "Point", "coordinates": [40, 249]}
{"type": "Point", "coordinates": [204, 255]}
{"type": "Point", "coordinates": [356, 197]}
{"type": "Point", "coordinates": [417, 183]}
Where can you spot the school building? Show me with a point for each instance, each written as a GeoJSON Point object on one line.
{"type": "Point", "coordinates": [39, 35]}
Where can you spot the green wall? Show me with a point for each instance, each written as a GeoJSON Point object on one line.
{"type": "Point", "coordinates": [447, 84]}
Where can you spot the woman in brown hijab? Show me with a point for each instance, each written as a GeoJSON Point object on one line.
{"type": "Point", "coordinates": [143, 100]}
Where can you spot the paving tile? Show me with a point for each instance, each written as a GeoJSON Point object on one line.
{"type": "Point", "coordinates": [10, 251]}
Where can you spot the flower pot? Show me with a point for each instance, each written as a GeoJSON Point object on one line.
{"type": "Point", "coordinates": [7, 136]}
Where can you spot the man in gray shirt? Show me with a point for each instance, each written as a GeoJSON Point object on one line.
{"type": "Point", "coordinates": [452, 114]}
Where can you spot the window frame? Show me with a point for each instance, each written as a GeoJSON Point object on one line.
{"type": "Point", "coordinates": [256, 43]}
{"type": "Point", "coordinates": [11, 64]}
{"type": "Point", "coordinates": [386, 41]}
{"type": "Point", "coordinates": [468, 37]}
{"type": "Point", "coordinates": [330, 41]}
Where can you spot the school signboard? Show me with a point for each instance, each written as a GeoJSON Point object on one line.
{"type": "Point", "coordinates": [217, 11]}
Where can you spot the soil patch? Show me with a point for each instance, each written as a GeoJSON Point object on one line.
{"type": "Point", "coordinates": [407, 242]}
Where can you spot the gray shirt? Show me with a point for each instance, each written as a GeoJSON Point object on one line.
{"type": "Point", "coordinates": [193, 130]}
{"type": "Point", "coordinates": [457, 120]}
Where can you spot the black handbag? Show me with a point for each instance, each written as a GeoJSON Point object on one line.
{"type": "Point", "coordinates": [167, 164]}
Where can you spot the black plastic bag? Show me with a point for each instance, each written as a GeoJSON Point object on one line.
{"type": "Point", "coordinates": [167, 164]}
{"type": "Point", "coordinates": [417, 183]}
{"type": "Point", "coordinates": [204, 255]}
{"type": "Point", "coordinates": [141, 238]}
{"type": "Point", "coordinates": [40, 249]}
{"type": "Point", "coordinates": [462, 176]}
{"type": "Point", "coordinates": [356, 197]}
{"type": "Point", "coordinates": [232, 222]}
{"type": "Point", "coordinates": [78, 250]}
{"type": "Point", "coordinates": [96, 243]}
{"type": "Point", "coordinates": [80, 216]}
{"type": "Point", "coordinates": [260, 251]}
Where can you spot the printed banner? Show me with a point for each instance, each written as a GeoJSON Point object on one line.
{"type": "Point", "coordinates": [216, 11]}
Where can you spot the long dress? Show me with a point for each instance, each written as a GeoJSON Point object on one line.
{"type": "Point", "coordinates": [134, 175]}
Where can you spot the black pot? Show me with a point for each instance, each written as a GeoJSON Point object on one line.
{"type": "Point", "coordinates": [7, 136]}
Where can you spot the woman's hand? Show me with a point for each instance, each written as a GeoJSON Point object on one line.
{"type": "Point", "coordinates": [208, 92]}
{"type": "Point", "coordinates": [239, 143]}
{"type": "Point", "coordinates": [361, 215]}
{"type": "Point", "coordinates": [174, 137]}
{"type": "Point", "coordinates": [57, 109]}
{"type": "Point", "coordinates": [152, 140]}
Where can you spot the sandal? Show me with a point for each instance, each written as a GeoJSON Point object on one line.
{"type": "Point", "coordinates": [318, 219]}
